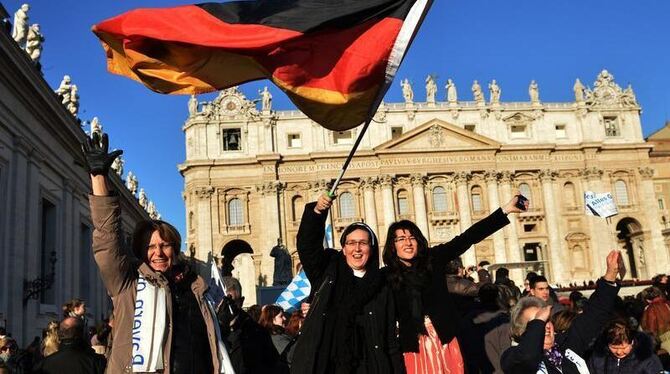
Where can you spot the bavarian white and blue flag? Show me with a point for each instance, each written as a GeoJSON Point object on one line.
{"type": "Point", "coordinates": [297, 291]}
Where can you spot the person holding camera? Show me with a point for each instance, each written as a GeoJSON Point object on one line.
{"type": "Point", "coordinates": [427, 316]}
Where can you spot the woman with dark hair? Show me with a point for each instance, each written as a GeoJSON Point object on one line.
{"type": "Point", "coordinates": [428, 320]}
{"type": "Point", "coordinates": [272, 319]}
{"type": "Point", "coordinates": [624, 350]}
{"type": "Point", "coordinates": [350, 326]}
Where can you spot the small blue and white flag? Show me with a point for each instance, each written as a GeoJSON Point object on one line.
{"type": "Point", "coordinates": [296, 292]}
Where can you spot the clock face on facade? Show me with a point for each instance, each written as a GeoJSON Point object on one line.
{"type": "Point", "coordinates": [230, 105]}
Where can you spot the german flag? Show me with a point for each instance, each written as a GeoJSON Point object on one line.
{"type": "Point", "coordinates": [335, 59]}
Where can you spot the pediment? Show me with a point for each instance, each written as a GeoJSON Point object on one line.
{"type": "Point", "coordinates": [518, 118]}
{"type": "Point", "coordinates": [437, 134]}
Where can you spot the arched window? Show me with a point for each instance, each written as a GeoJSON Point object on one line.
{"type": "Point", "coordinates": [524, 189]}
{"type": "Point", "coordinates": [621, 192]}
{"type": "Point", "coordinates": [190, 221]}
{"type": "Point", "coordinates": [298, 205]}
{"type": "Point", "coordinates": [476, 199]}
{"type": "Point", "coordinates": [403, 203]}
{"type": "Point", "coordinates": [569, 195]}
{"type": "Point", "coordinates": [235, 213]}
{"type": "Point", "coordinates": [347, 209]}
{"type": "Point", "coordinates": [439, 199]}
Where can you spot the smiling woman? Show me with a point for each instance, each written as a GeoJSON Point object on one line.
{"type": "Point", "coordinates": [351, 325]}
{"type": "Point", "coordinates": [427, 316]}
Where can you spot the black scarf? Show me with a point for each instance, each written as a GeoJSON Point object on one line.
{"type": "Point", "coordinates": [349, 299]}
{"type": "Point", "coordinates": [410, 303]}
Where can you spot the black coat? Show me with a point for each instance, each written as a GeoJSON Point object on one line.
{"type": "Point", "coordinates": [642, 360]}
{"type": "Point", "coordinates": [529, 354]}
{"type": "Point", "coordinates": [437, 301]}
{"type": "Point", "coordinates": [250, 348]}
{"type": "Point", "coordinates": [72, 358]}
{"type": "Point", "coordinates": [378, 319]}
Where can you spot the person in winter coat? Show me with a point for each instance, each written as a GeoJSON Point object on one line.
{"type": "Point", "coordinates": [624, 350]}
{"type": "Point", "coordinates": [74, 355]}
{"type": "Point", "coordinates": [539, 349]}
{"type": "Point", "coordinates": [350, 326]}
{"type": "Point", "coordinates": [427, 316]}
{"type": "Point", "coordinates": [656, 316]}
{"type": "Point", "coordinates": [273, 320]}
{"type": "Point", "coordinates": [484, 317]}
{"type": "Point", "coordinates": [163, 323]}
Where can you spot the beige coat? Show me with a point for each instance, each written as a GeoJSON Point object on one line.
{"type": "Point", "coordinates": [120, 270]}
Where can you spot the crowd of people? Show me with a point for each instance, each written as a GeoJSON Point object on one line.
{"type": "Point", "coordinates": [421, 311]}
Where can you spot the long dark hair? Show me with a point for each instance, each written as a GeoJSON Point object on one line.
{"type": "Point", "coordinates": [396, 268]}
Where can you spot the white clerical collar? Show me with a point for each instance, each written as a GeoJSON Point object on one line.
{"type": "Point", "coordinates": [359, 273]}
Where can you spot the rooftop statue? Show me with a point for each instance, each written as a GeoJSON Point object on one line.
{"type": "Point", "coordinates": [494, 89]}
{"type": "Point", "coordinates": [431, 89]}
{"type": "Point", "coordinates": [477, 92]}
{"type": "Point", "coordinates": [452, 95]}
{"type": "Point", "coordinates": [407, 91]}
{"type": "Point", "coordinates": [34, 43]}
{"type": "Point", "coordinates": [20, 28]}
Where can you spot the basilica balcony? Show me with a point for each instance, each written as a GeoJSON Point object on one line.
{"type": "Point", "coordinates": [443, 218]}
{"type": "Point", "coordinates": [237, 229]}
{"type": "Point", "coordinates": [531, 215]}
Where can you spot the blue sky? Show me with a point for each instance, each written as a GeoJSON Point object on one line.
{"type": "Point", "coordinates": [514, 42]}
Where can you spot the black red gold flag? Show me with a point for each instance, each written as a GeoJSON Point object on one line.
{"type": "Point", "coordinates": [335, 59]}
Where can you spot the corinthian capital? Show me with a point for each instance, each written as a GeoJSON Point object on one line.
{"type": "Point", "coordinates": [369, 183]}
{"type": "Point", "coordinates": [506, 176]}
{"type": "Point", "coordinates": [592, 173]}
{"type": "Point", "coordinates": [548, 175]}
{"type": "Point", "coordinates": [492, 176]}
{"type": "Point", "coordinates": [462, 177]}
{"type": "Point", "coordinates": [646, 172]}
{"type": "Point", "coordinates": [417, 180]}
{"type": "Point", "coordinates": [386, 180]}
{"type": "Point", "coordinates": [204, 192]}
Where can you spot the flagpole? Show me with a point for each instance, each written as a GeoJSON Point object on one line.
{"type": "Point", "coordinates": [351, 155]}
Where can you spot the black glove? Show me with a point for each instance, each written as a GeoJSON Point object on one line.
{"type": "Point", "coordinates": [228, 311]}
{"type": "Point", "coordinates": [98, 161]}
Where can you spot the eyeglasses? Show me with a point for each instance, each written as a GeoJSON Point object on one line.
{"type": "Point", "coordinates": [402, 239]}
{"type": "Point", "coordinates": [361, 243]}
{"type": "Point", "coordinates": [8, 348]}
{"type": "Point", "coordinates": [161, 246]}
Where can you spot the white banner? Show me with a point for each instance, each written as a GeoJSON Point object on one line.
{"type": "Point", "coordinates": [599, 204]}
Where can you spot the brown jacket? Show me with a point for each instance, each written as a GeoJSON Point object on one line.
{"type": "Point", "coordinates": [120, 270]}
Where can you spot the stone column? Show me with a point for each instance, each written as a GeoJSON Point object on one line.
{"type": "Point", "coordinates": [204, 214]}
{"type": "Point", "coordinates": [369, 200]}
{"type": "Point", "coordinates": [510, 231]}
{"type": "Point", "coordinates": [461, 179]}
{"type": "Point", "coordinates": [491, 177]}
{"type": "Point", "coordinates": [368, 186]}
{"type": "Point", "coordinates": [386, 182]}
{"type": "Point", "coordinates": [514, 253]}
{"type": "Point", "coordinates": [67, 242]}
{"type": "Point", "coordinates": [551, 214]}
{"type": "Point", "coordinates": [420, 214]}
{"type": "Point", "coordinates": [22, 208]}
{"type": "Point", "coordinates": [655, 250]}
{"type": "Point", "coordinates": [271, 222]}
